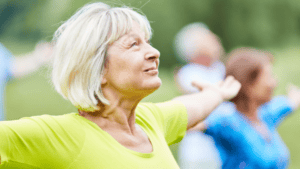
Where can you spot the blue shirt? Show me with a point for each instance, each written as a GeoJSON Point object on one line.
{"type": "Point", "coordinates": [242, 146]}
{"type": "Point", "coordinates": [198, 150]}
{"type": "Point", "coordinates": [5, 74]}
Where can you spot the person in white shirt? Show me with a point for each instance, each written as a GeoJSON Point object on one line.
{"type": "Point", "coordinates": [202, 50]}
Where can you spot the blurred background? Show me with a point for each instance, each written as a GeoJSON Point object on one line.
{"type": "Point", "coordinates": [273, 25]}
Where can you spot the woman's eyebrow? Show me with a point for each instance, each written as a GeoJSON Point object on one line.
{"type": "Point", "coordinates": [128, 37]}
{"type": "Point", "coordinates": [133, 35]}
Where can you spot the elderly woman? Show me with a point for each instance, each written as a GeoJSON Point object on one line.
{"type": "Point", "coordinates": [246, 136]}
{"type": "Point", "coordinates": [105, 65]}
{"type": "Point", "coordinates": [202, 49]}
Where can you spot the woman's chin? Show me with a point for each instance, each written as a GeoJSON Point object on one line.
{"type": "Point", "coordinates": [157, 84]}
{"type": "Point", "coordinates": [153, 85]}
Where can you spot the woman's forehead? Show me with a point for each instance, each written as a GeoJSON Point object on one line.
{"type": "Point", "coordinates": [133, 33]}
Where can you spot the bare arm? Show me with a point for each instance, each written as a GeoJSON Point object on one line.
{"type": "Point", "coordinates": [202, 126]}
{"type": "Point", "coordinates": [30, 62]}
{"type": "Point", "coordinates": [200, 105]}
{"type": "Point", "coordinates": [293, 94]}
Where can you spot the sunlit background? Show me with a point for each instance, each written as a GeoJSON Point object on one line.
{"type": "Point", "coordinates": [273, 25]}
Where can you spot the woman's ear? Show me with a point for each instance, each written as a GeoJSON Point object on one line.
{"type": "Point", "coordinates": [103, 81]}
{"type": "Point", "coordinates": [103, 78]}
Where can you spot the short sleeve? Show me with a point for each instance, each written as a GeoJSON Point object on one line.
{"type": "Point", "coordinates": [276, 110]}
{"type": "Point", "coordinates": [219, 122]}
{"type": "Point", "coordinates": [213, 125]}
{"type": "Point", "coordinates": [226, 132]}
{"type": "Point", "coordinates": [8, 150]}
{"type": "Point", "coordinates": [15, 142]}
{"type": "Point", "coordinates": [39, 142]}
{"type": "Point", "coordinates": [6, 61]}
{"type": "Point", "coordinates": [172, 117]}
{"type": "Point", "coordinates": [222, 132]}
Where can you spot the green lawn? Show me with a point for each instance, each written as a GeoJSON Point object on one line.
{"type": "Point", "coordinates": [34, 95]}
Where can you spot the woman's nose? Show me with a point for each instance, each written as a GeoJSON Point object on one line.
{"type": "Point", "coordinates": [152, 53]}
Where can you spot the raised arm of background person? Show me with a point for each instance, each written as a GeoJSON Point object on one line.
{"type": "Point", "coordinates": [30, 62]}
{"type": "Point", "coordinates": [293, 94]}
{"type": "Point", "coordinates": [281, 106]}
{"type": "Point", "coordinates": [200, 105]}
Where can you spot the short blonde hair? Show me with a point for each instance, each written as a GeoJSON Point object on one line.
{"type": "Point", "coordinates": [80, 50]}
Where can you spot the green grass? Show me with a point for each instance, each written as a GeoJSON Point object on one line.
{"type": "Point", "coordinates": [287, 68]}
{"type": "Point", "coordinates": [34, 95]}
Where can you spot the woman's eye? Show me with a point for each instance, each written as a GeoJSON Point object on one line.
{"type": "Point", "coordinates": [133, 44]}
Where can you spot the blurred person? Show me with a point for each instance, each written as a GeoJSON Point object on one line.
{"type": "Point", "coordinates": [104, 65]}
{"type": "Point", "coordinates": [17, 67]}
{"type": "Point", "coordinates": [202, 49]}
{"type": "Point", "coordinates": [247, 136]}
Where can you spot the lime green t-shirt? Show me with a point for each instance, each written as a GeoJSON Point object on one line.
{"type": "Point", "coordinates": [73, 142]}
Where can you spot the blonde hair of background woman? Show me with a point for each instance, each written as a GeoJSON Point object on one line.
{"type": "Point", "coordinates": [80, 51]}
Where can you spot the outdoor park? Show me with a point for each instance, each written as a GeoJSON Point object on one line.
{"type": "Point", "coordinates": [268, 25]}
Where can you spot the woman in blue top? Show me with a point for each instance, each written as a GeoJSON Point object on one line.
{"type": "Point", "coordinates": [246, 136]}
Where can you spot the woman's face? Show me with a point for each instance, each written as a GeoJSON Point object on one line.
{"type": "Point", "coordinates": [132, 66]}
{"type": "Point", "coordinates": [262, 89]}
{"type": "Point", "coordinates": [208, 50]}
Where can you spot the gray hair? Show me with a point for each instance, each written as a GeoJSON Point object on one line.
{"type": "Point", "coordinates": [185, 40]}
{"type": "Point", "coordinates": [80, 50]}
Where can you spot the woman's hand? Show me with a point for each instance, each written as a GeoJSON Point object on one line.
{"type": "Point", "coordinates": [227, 89]}
{"type": "Point", "coordinates": [200, 105]}
{"type": "Point", "coordinates": [294, 95]}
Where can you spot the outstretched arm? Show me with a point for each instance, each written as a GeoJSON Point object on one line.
{"type": "Point", "coordinates": [199, 127]}
{"type": "Point", "coordinates": [293, 94]}
{"type": "Point", "coordinates": [201, 104]}
{"type": "Point", "coordinates": [32, 61]}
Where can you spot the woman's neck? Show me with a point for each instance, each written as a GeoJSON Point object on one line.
{"type": "Point", "coordinates": [118, 116]}
{"type": "Point", "coordinates": [249, 110]}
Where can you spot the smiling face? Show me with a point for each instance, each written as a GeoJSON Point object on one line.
{"type": "Point", "coordinates": [132, 65]}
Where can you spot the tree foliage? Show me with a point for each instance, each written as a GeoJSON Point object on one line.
{"type": "Point", "coordinates": [258, 23]}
